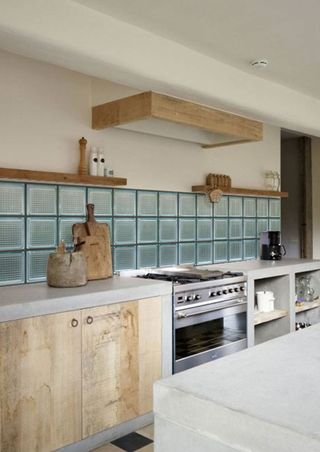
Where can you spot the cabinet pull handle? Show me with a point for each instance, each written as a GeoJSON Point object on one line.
{"type": "Point", "coordinates": [89, 320]}
{"type": "Point", "coordinates": [74, 323]}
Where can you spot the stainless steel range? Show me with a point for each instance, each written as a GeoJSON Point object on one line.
{"type": "Point", "coordinates": [209, 314]}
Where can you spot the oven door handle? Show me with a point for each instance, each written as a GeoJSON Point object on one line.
{"type": "Point", "coordinates": [184, 315]}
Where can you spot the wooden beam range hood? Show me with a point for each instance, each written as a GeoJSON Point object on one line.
{"type": "Point", "coordinates": [162, 115]}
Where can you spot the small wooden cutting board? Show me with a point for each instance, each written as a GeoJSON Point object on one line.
{"type": "Point", "coordinates": [93, 239]}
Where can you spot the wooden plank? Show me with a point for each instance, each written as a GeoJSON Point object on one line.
{"type": "Point", "coordinates": [263, 317]}
{"type": "Point", "coordinates": [121, 361]}
{"type": "Point", "coordinates": [100, 368]}
{"type": "Point", "coordinates": [122, 111]}
{"type": "Point", "coordinates": [148, 105]}
{"type": "Point", "coordinates": [40, 393]}
{"type": "Point", "coordinates": [204, 117]}
{"type": "Point", "coordinates": [242, 191]}
{"type": "Point", "coordinates": [47, 176]}
{"type": "Point", "coordinates": [150, 350]}
{"type": "Point", "coordinates": [307, 305]}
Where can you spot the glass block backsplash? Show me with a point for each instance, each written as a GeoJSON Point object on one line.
{"type": "Point", "coordinates": [148, 228]}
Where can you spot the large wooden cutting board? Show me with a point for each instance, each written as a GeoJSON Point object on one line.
{"type": "Point", "coordinates": [93, 239]}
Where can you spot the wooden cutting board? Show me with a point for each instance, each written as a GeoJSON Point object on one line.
{"type": "Point", "coordinates": [93, 239]}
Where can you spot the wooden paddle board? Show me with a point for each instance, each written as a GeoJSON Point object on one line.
{"type": "Point", "coordinates": [93, 239]}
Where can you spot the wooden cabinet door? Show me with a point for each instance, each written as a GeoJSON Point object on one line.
{"type": "Point", "coordinates": [121, 350]}
{"type": "Point", "coordinates": [40, 383]}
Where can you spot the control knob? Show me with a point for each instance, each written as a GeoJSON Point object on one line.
{"type": "Point", "coordinates": [242, 288]}
{"type": "Point", "coordinates": [231, 290]}
{"type": "Point", "coordinates": [189, 298]}
{"type": "Point", "coordinates": [225, 291]}
{"type": "Point", "coordinates": [212, 294]}
{"type": "Point", "coordinates": [197, 297]}
{"type": "Point", "coordinates": [236, 289]}
{"type": "Point", "coordinates": [219, 292]}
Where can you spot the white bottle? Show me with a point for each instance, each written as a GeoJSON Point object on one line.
{"type": "Point", "coordinates": [101, 162]}
{"type": "Point", "coordinates": [93, 161]}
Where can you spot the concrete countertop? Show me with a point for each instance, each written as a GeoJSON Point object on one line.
{"type": "Point", "coordinates": [30, 300]}
{"type": "Point", "coordinates": [265, 398]}
{"type": "Point", "coordinates": [263, 268]}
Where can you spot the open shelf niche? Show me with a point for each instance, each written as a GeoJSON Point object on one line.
{"type": "Point", "coordinates": [309, 312]}
{"type": "Point", "coordinates": [269, 325]}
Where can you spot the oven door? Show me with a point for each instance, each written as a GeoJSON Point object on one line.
{"type": "Point", "coordinates": [205, 334]}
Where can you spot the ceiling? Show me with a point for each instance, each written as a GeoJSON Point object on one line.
{"type": "Point", "coordinates": [285, 32]}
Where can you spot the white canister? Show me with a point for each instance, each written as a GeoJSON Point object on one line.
{"type": "Point", "coordinates": [265, 301]}
{"type": "Point", "coordinates": [93, 161]}
{"type": "Point", "coordinates": [101, 162]}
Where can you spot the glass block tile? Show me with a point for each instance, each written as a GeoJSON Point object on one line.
{"type": "Point", "coordinates": [274, 207]}
{"type": "Point", "coordinates": [11, 233]}
{"type": "Point", "coordinates": [147, 256]}
{"type": "Point", "coordinates": [72, 201]}
{"type": "Point", "coordinates": [65, 229]}
{"type": "Point", "coordinates": [41, 232]}
{"type": "Point", "coordinates": [37, 265]}
{"type": "Point", "coordinates": [187, 230]}
{"type": "Point", "coordinates": [168, 255]}
{"type": "Point", "coordinates": [41, 199]}
{"type": "Point", "coordinates": [168, 230]}
{"type": "Point", "coordinates": [262, 225]}
{"type": "Point", "coordinates": [124, 258]}
{"type": "Point", "coordinates": [107, 221]}
{"type": "Point", "coordinates": [204, 229]}
{"type": "Point", "coordinates": [220, 209]}
{"type": "Point", "coordinates": [204, 206]}
{"type": "Point", "coordinates": [274, 225]}
{"type": "Point", "coordinates": [102, 200]}
{"type": "Point", "coordinates": [124, 202]}
{"type": "Point", "coordinates": [187, 253]}
{"type": "Point", "coordinates": [235, 250]}
{"type": "Point", "coordinates": [220, 229]}
{"type": "Point", "coordinates": [250, 229]}
{"type": "Point", "coordinates": [147, 230]}
{"type": "Point", "coordinates": [204, 253]}
{"type": "Point", "coordinates": [235, 228]}
{"type": "Point", "coordinates": [249, 207]}
{"type": "Point", "coordinates": [249, 249]}
{"type": "Point", "coordinates": [187, 205]}
{"type": "Point", "coordinates": [124, 231]}
{"type": "Point", "coordinates": [168, 204]}
{"type": "Point", "coordinates": [11, 199]}
{"type": "Point", "coordinates": [220, 251]}
{"type": "Point", "coordinates": [235, 206]}
{"type": "Point", "coordinates": [147, 203]}
{"type": "Point", "coordinates": [262, 207]}
{"type": "Point", "coordinates": [11, 268]}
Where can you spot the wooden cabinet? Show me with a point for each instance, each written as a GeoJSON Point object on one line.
{"type": "Point", "coordinates": [121, 346]}
{"type": "Point", "coordinates": [66, 376]}
{"type": "Point", "coordinates": [40, 383]}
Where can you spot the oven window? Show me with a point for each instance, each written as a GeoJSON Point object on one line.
{"type": "Point", "coordinates": [197, 338]}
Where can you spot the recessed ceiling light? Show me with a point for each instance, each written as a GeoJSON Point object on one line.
{"type": "Point", "coordinates": [260, 63]}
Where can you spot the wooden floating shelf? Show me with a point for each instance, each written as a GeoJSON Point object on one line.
{"type": "Point", "coordinates": [263, 317]}
{"type": "Point", "coordinates": [242, 191]}
{"type": "Point", "coordinates": [308, 305]}
{"type": "Point", "coordinates": [66, 178]}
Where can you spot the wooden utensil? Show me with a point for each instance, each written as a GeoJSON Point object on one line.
{"type": "Point", "coordinates": [93, 239]}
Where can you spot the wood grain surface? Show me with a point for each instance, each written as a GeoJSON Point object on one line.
{"type": "Point", "coordinates": [121, 360]}
{"type": "Point", "coordinates": [93, 240]}
{"type": "Point", "coordinates": [40, 385]}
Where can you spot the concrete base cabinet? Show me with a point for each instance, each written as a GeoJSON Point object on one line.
{"type": "Point", "coordinates": [66, 376]}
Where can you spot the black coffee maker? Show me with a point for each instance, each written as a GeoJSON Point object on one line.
{"type": "Point", "coordinates": [271, 248]}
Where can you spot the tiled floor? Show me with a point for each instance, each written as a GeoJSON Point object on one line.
{"type": "Point", "coordinates": [141, 441]}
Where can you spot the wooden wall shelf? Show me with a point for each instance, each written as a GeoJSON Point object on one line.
{"type": "Point", "coordinates": [263, 317]}
{"type": "Point", "coordinates": [308, 305]}
{"type": "Point", "coordinates": [242, 191]}
{"type": "Point", "coordinates": [66, 178]}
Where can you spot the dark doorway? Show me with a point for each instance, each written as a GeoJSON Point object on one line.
{"type": "Point", "coordinates": [296, 210]}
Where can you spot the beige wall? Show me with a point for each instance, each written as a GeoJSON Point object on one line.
{"type": "Point", "coordinates": [45, 109]}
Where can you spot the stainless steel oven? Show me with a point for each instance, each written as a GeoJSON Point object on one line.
{"type": "Point", "coordinates": [209, 314]}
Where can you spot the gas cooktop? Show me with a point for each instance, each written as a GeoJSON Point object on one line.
{"type": "Point", "coordinates": [181, 277]}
